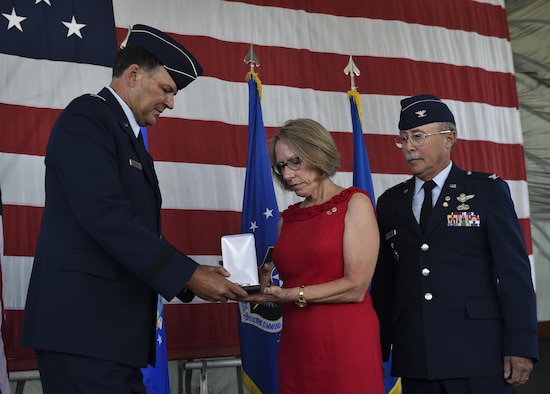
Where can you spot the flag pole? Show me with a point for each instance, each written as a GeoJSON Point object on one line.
{"type": "Point", "coordinates": [259, 324]}
{"type": "Point", "coordinates": [361, 167]}
{"type": "Point", "coordinates": [362, 178]}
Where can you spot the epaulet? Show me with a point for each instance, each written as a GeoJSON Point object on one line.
{"type": "Point", "coordinates": [96, 96]}
{"type": "Point", "coordinates": [482, 175]}
{"type": "Point", "coordinates": [395, 187]}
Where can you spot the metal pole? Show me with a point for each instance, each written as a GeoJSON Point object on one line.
{"type": "Point", "coordinates": [203, 365]}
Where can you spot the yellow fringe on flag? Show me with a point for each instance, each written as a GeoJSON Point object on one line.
{"type": "Point", "coordinates": [396, 388]}
{"type": "Point", "coordinates": [253, 75]}
{"type": "Point", "coordinates": [249, 384]}
{"type": "Point", "coordinates": [353, 93]}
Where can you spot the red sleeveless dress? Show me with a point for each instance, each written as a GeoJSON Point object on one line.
{"type": "Point", "coordinates": [324, 348]}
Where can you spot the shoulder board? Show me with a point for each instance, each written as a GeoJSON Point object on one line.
{"type": "Point", "coordinates": [396, 187]}
{"type": "Point", "coordinates": [482, 175]}
{"type": "Point", "coordinates": [97, 96]}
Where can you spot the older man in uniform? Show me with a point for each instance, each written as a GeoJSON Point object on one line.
{"type": "Point", "coordinates": [453, 287]}
{"type": "Point", "coordinates": [101, 259]}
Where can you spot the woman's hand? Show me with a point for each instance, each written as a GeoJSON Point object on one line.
{"type": "Point", "coordinates": [264, 273]}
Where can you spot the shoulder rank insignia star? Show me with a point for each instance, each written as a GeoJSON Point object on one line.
{"type": "Point", "coordinates": [421, 113]}
{"type": "Point", "coordinates": [493, 176]}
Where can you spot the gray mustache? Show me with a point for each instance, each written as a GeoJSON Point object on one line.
{"type": "Point", "coordinates": [411, 156]}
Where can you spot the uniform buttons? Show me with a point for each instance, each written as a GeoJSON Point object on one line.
{"type": "Point", "coordinates": [425, 271]}
{"type": "Point", "coordinates": [425, 247]}
{"type": "Point", "coordinates": [428, 296]}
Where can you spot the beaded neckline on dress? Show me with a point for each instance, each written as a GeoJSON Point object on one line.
{"type": "Point", "coordinates": [295, 214]}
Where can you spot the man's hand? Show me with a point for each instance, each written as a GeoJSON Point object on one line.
{"type": "Point", "coordinates": [261, 297]}
{"type": "Point", "coordinates": [517, 369]}
{"type": "Point", "coordinates": [211, 284]}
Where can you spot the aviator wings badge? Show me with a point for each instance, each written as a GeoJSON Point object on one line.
{"type": "Point", "coordinates": [462, 198]}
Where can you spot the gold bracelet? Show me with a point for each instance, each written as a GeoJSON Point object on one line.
{"type": "Point", "coordinates": [301, 301]}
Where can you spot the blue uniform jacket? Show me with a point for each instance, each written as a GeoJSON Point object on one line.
{"type": "Point", "coordinates": [454, 301]}
{"type": "Point", "coordinates": [100, 259]}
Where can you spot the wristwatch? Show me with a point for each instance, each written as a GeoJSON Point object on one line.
{"type": "Point", "coordinates": [301, 301]}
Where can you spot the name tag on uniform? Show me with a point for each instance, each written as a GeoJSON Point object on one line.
{"type": "Point", "coordinates": [391, 234]}
{"type": "Point", "coordinates": [136, 164]}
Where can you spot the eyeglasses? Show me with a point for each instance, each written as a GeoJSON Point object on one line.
{"type": "Point", "coordinates": [294, 163]}
{"type": "Point", "coordinates": [417, 139]}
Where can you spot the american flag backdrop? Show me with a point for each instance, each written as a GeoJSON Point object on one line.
{"type": "Point", "coordinates": [54, 50]}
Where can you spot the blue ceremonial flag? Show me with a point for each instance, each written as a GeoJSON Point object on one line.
{"type": "Point", "coordinates": [156, 379]}
{"type": "Point", "coordinates": [361, 166]}
{"type": "Point", "coordinates": [145, 137]}
{"type": "Point", "coordinates": [362, 179]}
{"type": "Point", "coordinates": [259, 324]}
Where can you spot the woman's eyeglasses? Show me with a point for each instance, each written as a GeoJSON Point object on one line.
{"type": "Point", "coordinates": [294, 163]}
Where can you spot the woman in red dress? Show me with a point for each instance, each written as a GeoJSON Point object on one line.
{"type": "Point", "coordinates": [325, 255]}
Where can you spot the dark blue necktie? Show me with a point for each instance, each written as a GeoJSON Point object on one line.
{"type": "Point", "coordinates": [427, 204]}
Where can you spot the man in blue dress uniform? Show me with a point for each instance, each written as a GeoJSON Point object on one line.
{"type": "Point", "coordinates": [101, 259]}
{"type": "Point", "coordinates": [453, 287]}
